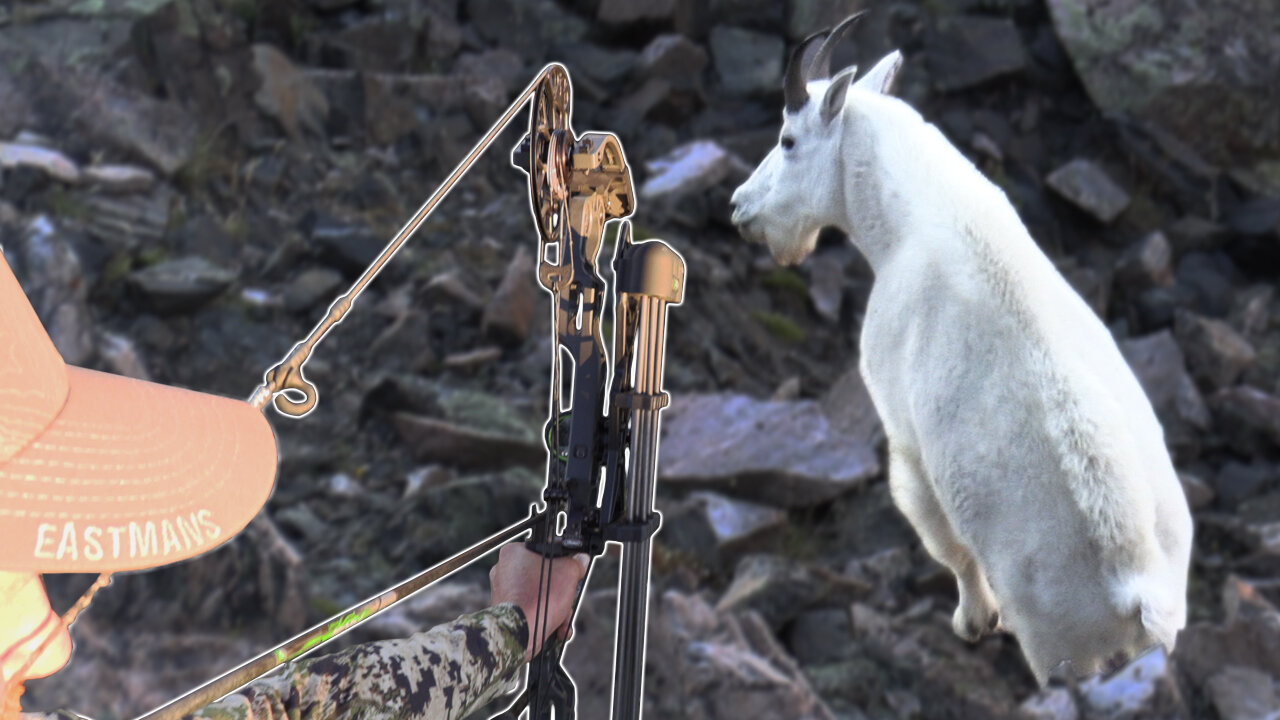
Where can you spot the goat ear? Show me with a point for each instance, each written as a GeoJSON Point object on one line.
{"type": "Point", "coordinates": [881, 77]}
{"type": "Point", "coordinates": [833, 101]}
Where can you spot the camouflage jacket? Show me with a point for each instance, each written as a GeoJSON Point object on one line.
{"type": "Point", "coordinates": [443, 673]}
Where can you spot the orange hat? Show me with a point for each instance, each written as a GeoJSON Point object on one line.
{"type": "Point", "coordinates": [100, 473]}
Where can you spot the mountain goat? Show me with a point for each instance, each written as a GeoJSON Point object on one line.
{"type": "Point", "coordinates": [1021, 447]}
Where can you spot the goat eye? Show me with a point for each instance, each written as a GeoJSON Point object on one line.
{"type": "Point", "coordinates": [788, 143]}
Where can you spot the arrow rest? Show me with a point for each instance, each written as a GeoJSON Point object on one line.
{"type": "Point", "coordinates": [601, 465]}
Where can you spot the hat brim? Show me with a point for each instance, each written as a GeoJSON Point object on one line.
{"type": "Point", "coordinates": [132, 475]}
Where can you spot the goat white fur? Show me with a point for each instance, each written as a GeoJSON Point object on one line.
{"type": "Point", "coordinates": [1021, 446]}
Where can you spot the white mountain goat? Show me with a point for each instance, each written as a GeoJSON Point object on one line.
{"type": "Point", "coordinates": [1021, 447]}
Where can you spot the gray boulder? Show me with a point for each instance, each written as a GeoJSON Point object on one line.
{"type": "Point", "coordinates": [788, 453]}
{"type": "Point", "coordinates": [1088, 187]}
{"type": "Point", "coordinates": [1209, 84]}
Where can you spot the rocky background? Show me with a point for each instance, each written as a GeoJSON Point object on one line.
{"type": "Point", "coordinates": [186, 184]}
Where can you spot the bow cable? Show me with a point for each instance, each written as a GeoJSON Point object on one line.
{"type": "Point", "coordinates": [286, 381]}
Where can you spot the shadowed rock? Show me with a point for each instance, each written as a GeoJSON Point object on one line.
{"type": "Point", "coordinates": [747, 62]}
{"type": "Point", "coordinates": [509, 313]}
{"type": "Point", "coordinates": [714, 665]}
{"type": "Point", "coordinates": [674, 58]}
{"type": "Point", "coordinates": [621, 12]}
{"type": "Point", "coordinates": [442, 441]}
{"type": "Point", "coordinates": [108, 114]}
{"type": "Point", "coordinates": [456, 426]}
{"type": "Point", "coordinates": [967, 51]}
{"type": "Point", "coordinates": [1147, 263]}
{"type": "Point", "coordinates": [1243, 693]}
{"type": "Point", "coordinates": [125, 222]}
{"type": "Point", "coordinates": [780, 588]}
{"type": "Point", "coordinates": [1249, 636]}
{"type": "Point", "coordinates": [1250, 418]}
{"type": "Point", "coordinates": [714, 528]}
{"type": "Point", "coordinates": [1157, 361]}
{"type": "Point", "coordinates": [58, 289]}
{"type": "Point", "coordinates": [1217, 355]}
{"type": "Point", "coordinates": [287, 94]}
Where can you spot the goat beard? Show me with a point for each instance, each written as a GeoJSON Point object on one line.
{"type": "Point", "coordinates": [787, 257]}
{"type": "Point", "coordinates": [795, 253]}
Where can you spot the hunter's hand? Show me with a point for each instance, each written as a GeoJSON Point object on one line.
{"type": "Point", "coordinates": [515, 580]}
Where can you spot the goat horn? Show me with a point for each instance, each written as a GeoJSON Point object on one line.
{"type": "Point", "coordinates": [793, 89]}
{"type": "Point", "coordinates": [820, 67]}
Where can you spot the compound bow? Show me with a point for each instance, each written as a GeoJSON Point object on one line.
{"type": "Point", "coordinates": [601, 463]}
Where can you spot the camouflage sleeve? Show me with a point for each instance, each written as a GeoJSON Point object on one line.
{"type": "Point", "coordinates": [443, 673]}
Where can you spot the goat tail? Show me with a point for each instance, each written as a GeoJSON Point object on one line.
{"type": "Point", "coordinates": [1158, 602]}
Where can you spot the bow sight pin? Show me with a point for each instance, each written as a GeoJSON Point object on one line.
{"type": "Point", "coordinates": [601, 464]}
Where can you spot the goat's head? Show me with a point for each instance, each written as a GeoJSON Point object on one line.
{"type": "Point", "coordinates": [798, 187]}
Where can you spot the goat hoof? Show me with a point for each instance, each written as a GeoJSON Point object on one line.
{"type": "Point", "coordinates": [1117, 661]}
{"type": "Point", "coordinates": [965, 627]}
{"type": "Point", "coordinates": [972, 627]}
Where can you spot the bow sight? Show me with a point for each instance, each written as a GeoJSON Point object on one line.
{"type": "Point", "coordinates": [600, 467]}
